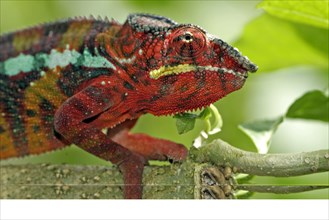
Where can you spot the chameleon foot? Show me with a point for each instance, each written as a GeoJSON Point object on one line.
{"type": "Point", "coordinates": [132, 171]}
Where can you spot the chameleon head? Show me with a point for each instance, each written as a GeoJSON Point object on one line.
{"type": "Point", "coordinates": [187, 67]}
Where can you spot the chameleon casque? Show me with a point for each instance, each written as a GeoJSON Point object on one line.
{"type": "Point", "coordinates": [63, 82]}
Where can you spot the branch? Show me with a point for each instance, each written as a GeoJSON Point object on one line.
{"type": "Point", "coordinates": [278, 189]}
{"type": "Point", "coordinates": [221, 153]}
{"type": "Point", "coordinates": [197, 177]}
{"type": "Point", "coordinates": [177, 181]}
{"type": "Point", "coordinates": [92, 182]}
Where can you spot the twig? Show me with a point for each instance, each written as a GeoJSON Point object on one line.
{"type": "Point", "coordinates": [221, 153]}
{"type": "Point", "coordinates": [278, 189]}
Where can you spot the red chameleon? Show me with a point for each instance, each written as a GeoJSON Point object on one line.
{"type": "Point", "coordinates": [63, 82]}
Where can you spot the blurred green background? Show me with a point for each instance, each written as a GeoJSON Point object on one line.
{"type": "Point", "coordinates": [292, 59]}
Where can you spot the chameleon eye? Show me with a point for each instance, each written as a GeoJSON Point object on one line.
{"type": "Point", "coordinates": [187, 37]}
{"type": "Point", "coordinates": [188, 42]}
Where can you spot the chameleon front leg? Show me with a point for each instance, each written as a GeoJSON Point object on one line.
{"type": "Point", "coordinates": [151, 148]}
{"type": "Point", "coordinates": [69, 122]}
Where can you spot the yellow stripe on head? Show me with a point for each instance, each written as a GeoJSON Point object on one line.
{"type": "Point", "coordinates": [171, 70]}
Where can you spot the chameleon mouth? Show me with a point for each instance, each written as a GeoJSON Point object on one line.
{"type": "Point", "coordinates": [184, 68]}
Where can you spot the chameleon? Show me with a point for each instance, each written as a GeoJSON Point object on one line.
{"type": "Point", "coordinates": [86, 81]}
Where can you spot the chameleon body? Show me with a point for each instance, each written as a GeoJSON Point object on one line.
{"type": "Point", "coordinates": [63, 82]}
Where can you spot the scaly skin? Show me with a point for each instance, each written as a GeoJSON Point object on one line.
{"type": "Point", "coordinates": [63, 82]}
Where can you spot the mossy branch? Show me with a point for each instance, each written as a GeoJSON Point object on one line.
{"type": "Point", "coordinates": [205, 174]}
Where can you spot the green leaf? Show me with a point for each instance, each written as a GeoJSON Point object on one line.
{"type": "Point", "coordinates": [185, 122]}
{"type": "Point", "coordinates": [243, 194]}
{"type": "Point", "coordinates": [217, 125]}
{"type": "Point", "coordinates": [312, 105]}
{"type": "Point", "coordinates": [273, 43]}
{"type": "Point", "coordinates": [187, 115]}
{"type": "Point", "coordinates": [308, 12]}
{"type": "Point", "coordinates": [243, 178]}
{"type": "Point", "coordinates": [261, 132]}
{"type": "Point", "coordinates": [205, 114]}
